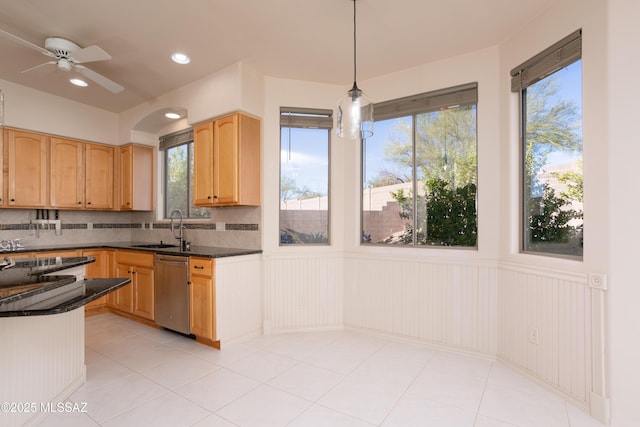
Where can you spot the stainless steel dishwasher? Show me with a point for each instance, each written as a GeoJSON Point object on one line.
{"type": "Point", "coordinates": [172, 292]}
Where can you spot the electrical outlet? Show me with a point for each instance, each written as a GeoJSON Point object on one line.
{"type": "Point", "coordinates": [534, 335]}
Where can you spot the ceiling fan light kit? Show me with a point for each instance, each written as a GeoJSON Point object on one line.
{"type": "Point", "coordinates": [67, 56]}
{"type": "Point", "coordinates": [78, 82]}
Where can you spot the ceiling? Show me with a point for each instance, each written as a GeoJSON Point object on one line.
{"type": "Point", "coordinates": [295, 39]}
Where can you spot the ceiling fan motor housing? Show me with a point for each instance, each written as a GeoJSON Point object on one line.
{"type": "Point", "coordinates": [62, 48]}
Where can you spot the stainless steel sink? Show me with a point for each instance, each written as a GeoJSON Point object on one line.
{"type": "Point", "coordinates": [155, 246]}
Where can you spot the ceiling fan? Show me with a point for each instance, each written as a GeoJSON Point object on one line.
{"type": "Point", "coordinates": [67, 55]}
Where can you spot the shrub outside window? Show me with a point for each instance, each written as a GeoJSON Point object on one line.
{"type": "Point", "coordinates": [304, 176]}
{"type": "Point", "coordinates": [550, 87]}
{"type": "Point", "coordinates": [419, 171]}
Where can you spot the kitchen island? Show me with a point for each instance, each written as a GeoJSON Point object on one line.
{"type": "Point", "coordinates": [42, 333]}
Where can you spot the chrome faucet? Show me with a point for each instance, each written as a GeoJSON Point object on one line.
{"type": "Point", "coordinates": [179, 235]}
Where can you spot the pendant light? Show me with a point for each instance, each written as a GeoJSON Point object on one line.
{"type": "Point", "coordinates": [355, 111]}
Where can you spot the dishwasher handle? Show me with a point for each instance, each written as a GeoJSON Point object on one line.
{"type": "Point", "coordinates": [171, 260]}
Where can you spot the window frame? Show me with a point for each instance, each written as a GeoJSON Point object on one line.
{"type": "Point", "coordinates": [560, 55]}
{"type": "Point", "coordinates": [306, 118]}
{"type": "Point", "coordinates": [413, 106]}
{"type": "Point", "coordinates": [166, 143]}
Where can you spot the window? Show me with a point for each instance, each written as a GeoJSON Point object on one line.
{"type": "Point", "coordinates": [550, 88]}
{"type": "Point", "coordinates": [178, 176]}
{"type": "Point", "coordinates": [304, 176]}
{"type": "Point", "coordinates": [419, 173]}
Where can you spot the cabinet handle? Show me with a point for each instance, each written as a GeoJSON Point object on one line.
{"type": "Point", "coordinates": [208, 197]}
{"type": "Point", "coordinates": [215, 197]}
{"type": "Point", "coordinates": [13, 200]}
{"type": "Point", "coordinates": [79, 203]}
{"type": "Point", "coordinates": [88, 203]}
{"type": "Point", "coordinates": [199, 267]}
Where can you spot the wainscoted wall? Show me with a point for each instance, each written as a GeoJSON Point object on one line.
{"type": "Point", "coordinates": [448, 303]}
{"type": "Point", "coordinates": [42, 360]}
{"type": "Point", "coordinates": [303, 291]}
{"type": "Point", "coordinates": [568, 317]}
{"type": "Point", "coordinates": [238, 298]}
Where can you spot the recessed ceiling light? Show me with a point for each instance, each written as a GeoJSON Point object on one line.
{"type": "Point", "coordinates": [180, 58]}
{"type": "Point", "coordinates": [172, 115]}
{"type": "Point", "coordinates": [79, 82]}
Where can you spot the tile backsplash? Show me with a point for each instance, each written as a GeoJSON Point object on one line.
{"type": "Point", "coordinates": [236, 227]}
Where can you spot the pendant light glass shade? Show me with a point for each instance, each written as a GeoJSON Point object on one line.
{"type": "Point", "coordinates": [355, 115]}
{"type": "Point", "coordinates": [355, 111]}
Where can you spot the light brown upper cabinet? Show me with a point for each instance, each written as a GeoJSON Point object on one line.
{"type": "Point", "coordinates": [66, 176]}
{"type": "Point", "coordinates": [26, 154]}
{"type": "Point", "coordinates": [227, 161]}
{"type": "Point", "coordinates": [136, 177]}
{"type": "Point", "coordinates": [81, 175]}
{"type": "Point", "coordinates": [3, 190]}
{"type": "Point", "coordinates": [99, 176]}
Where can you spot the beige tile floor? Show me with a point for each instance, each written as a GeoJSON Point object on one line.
{"type": "Point", "coordinates": [141, 376]}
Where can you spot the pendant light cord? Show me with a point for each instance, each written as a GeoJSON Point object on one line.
{"type": "Point", "coordinates": [354, 44]}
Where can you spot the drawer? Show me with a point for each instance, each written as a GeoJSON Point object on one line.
{"type": "Point", "coordinates": [142, 259]}
{"type": "Point", "coordinates": [201, 266]}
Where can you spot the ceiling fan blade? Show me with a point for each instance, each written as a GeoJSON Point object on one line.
{"type": "Point", "coordinates": [38, 66]}
{"type": "Point", "coordinates": [89, 54]}
{"type": "Point", "coordinates": [26, 43]}
{"type": "Point", "coordinates": [100, 79]}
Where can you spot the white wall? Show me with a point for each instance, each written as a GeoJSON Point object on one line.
{"type": "Point", "coordinates": [623, 207]}
{"type": "Point", "coordinates": [31, 109]}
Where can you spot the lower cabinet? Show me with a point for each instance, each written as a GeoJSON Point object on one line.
{"type": "Point", "coordinates": [202, 298]}
{"type": "Point", "coordinates": [136, 298]}
{"type": "Point", "coordinates": [101, 268]}
{"type": "Point", "coordinates": [144, 293]}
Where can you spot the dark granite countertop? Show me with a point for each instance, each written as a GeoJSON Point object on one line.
{"type": "Point", "coordinates": [28, 287]}
{"type": "Point", "coordinates": [200, 251]}
{"type": "Point", "coordinates": [90, 289]}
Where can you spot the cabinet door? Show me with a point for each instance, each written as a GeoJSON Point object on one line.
{"type": "Point", "coordinates": [126, 177]}
{"type": "Point", "coordinates": [27, 169]}
{"type": "Point", "coordinates": [98, 177]}
{"type": "Point", "coordinates": [226, 160]}
{"type": "Point", "coordinates": [96, 270]}
{"type": "Point", "coordinates": [203, 164]}
{"type": "Point", "coordinates": [136, 178]}
{"type": "Point", "coordinates": [3, 189]}
{"type": "Point", "coordinates": [201, 300]}
{"type": "Point", "coordinates": [202, 297]}
{"type": "Point", "coordinates": [123, 297]}
{"type": "Point", "coordinates": [66, 175]}
{"type": "Point", "coordinates": [144, 300]}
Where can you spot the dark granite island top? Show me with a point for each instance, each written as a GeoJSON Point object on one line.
{"type": "Point", "coordinates": [28, 287]}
